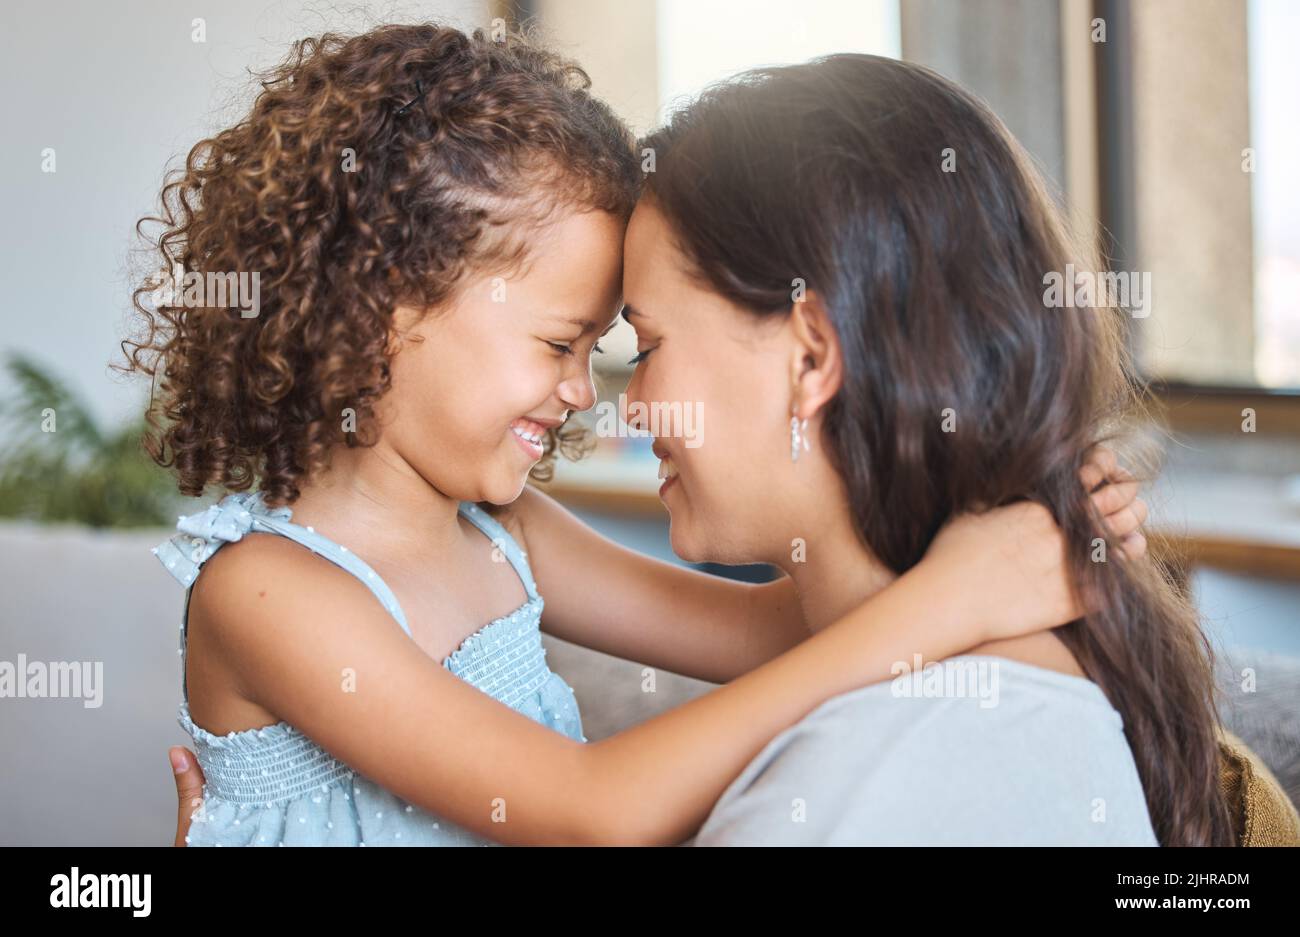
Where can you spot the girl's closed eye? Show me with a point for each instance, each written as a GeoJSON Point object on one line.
{"type": "Point", "coordinates": [568, 349]}
{"type": "Point", "coordinates": [640, 356]}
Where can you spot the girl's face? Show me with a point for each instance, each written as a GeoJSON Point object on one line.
{"type": "Point", "coordinates": [476, 384]}
{"type": "Point", "coordinates": [698, 352]}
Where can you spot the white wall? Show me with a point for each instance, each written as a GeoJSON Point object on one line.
{"type": "Point", "coordinates": [119, 89]}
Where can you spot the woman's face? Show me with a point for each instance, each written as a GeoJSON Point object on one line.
{"type": "Point", "coordinates": [698, 352]}
{"type": "Point", "coordinates": [509, 358]}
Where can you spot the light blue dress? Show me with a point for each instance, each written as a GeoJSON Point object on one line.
{"type": "Point", "coordinates": [274, 786]}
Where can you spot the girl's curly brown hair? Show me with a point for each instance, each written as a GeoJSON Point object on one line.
{"type": "Point", "coordinates": [373, 171]}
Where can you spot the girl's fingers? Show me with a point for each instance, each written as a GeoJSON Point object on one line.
{"type": "Point", "coordinates": [1139, 509]}
{"type": "Point", "coordinates": [1114, 494]}
{"type": "Point", "coordinates": [1122, 523]}
{"type": "Point", "coordinates": [1114, 497]}
{"type": "Point", "coordinates": [1133, 547]}
{"type": "Point", "coordinates": [1091, 475]}
{"type": "Point", "coordinates": [1127, 519]}
{"type": "Point", "coordinates": [1100, 465]}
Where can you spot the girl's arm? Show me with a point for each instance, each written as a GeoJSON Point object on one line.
{"type": "Point", "coordinates": [296, 631]}
{"type": "Point", "coordinates": [612, 599]}
{"type": "Point", "coordinates": [607, 597]}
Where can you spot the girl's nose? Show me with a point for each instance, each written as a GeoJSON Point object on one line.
{"type": "Point", "coordinates": [579, 392]}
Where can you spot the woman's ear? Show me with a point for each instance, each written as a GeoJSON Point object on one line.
{"type": "Point", "coordinates": [816, 364]}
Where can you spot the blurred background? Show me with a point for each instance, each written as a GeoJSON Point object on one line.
{"type": "Point", "coordinates": [1167, 127]}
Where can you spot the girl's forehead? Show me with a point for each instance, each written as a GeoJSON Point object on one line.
{"type": "Point", "coordinates": [597, 324]}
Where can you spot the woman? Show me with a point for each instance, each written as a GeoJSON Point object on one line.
{"type": "Point", "coordinates": [931, 377]}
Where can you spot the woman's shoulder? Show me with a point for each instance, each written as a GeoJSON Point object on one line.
{"type": "Point", "coordinates": [992, 715]}
{"type": "Point", "coordinates": [1042, 649]}
{"type": "Point", "coordinates": [974, 749]}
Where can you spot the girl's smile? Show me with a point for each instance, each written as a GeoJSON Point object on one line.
{"type": "Point", "coordinates": [530, 434]}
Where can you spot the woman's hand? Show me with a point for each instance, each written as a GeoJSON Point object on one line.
{"type": "Point", "coordinates": [189, 789]}
{"type": "Point", "coordinates": [1011, 563]}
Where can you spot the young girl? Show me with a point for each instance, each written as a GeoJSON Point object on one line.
{"type": "Point", "coordinates": [436, 221]}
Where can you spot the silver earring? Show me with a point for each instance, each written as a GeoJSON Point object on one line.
{"type": "Point", "coordinates": [798, 436]}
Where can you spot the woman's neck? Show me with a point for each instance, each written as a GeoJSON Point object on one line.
{"type": "Point", "coordinates": [840, 574]}
{"type": "Point", "coordinates": [835, 572]}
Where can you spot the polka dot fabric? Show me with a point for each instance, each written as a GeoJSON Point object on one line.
{"type": "Point", "coordinates": [274, 786]}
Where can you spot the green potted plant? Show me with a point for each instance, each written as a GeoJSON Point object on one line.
{"type": "Point", "coordinates": [61, 465]}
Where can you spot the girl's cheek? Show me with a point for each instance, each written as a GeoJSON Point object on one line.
{"type": "Point", "coordinates": [528, 378]}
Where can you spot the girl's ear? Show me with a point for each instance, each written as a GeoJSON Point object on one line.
{"type": "Point", "coordinates": [404, 327]}
{"type": "Point", "coordinates": [816, 364]}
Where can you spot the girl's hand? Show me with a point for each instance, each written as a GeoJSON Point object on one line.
{"type": "Point", "coordinates": [1114, 493]}
{"type": "Point", "coordinates": [1010, 564]}
{"type": "Point", "coordinates": [189, 789]}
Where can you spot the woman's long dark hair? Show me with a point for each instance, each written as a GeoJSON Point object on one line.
{"type": "Point", "coordinates": [911, 212]}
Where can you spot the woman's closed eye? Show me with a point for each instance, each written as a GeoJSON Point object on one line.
{"type": "Point", "coordinates": [640, 356]}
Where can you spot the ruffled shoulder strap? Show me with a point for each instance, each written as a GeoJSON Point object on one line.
{"type": "Point", "coordinates": [200, 535]}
